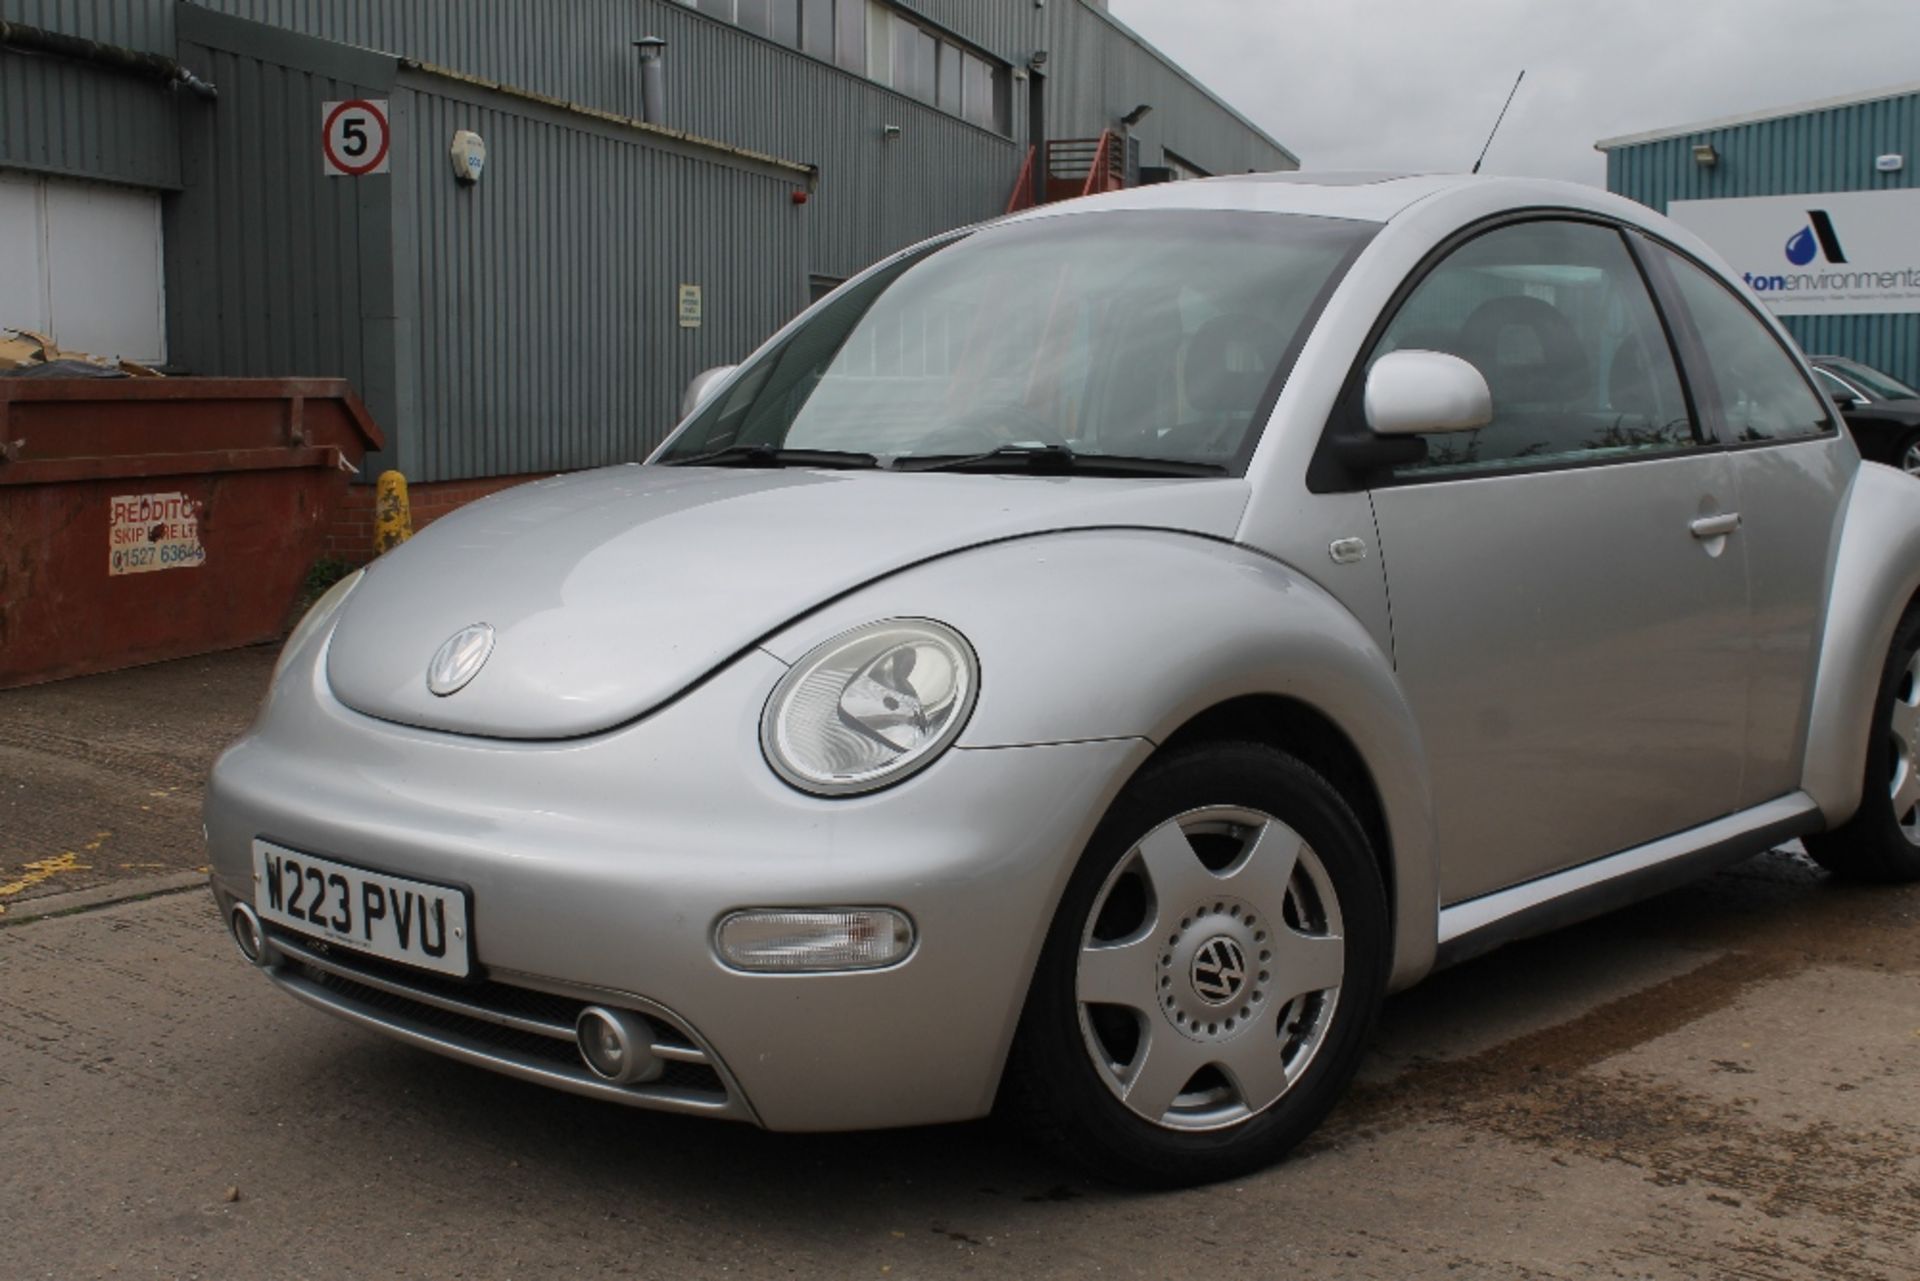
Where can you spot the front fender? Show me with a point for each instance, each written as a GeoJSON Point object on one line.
{"type": "Point", "coordinates": [1122, 633]}
{"type": "Point", "coordinates": [1875, 574]}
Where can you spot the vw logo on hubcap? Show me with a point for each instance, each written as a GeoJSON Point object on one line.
{"type": "Point", "coordinates": [1219, 971]}
{"type": "Point", "coordinates": [460, 659]}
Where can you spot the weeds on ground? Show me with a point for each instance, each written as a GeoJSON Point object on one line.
{"type": "Point", "coordinates": [321, 575]}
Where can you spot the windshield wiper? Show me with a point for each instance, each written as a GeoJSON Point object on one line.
{"type": "Point", "coordinates": [1057, 460]}
{"type": "Point", "coordinates": [769, 456]}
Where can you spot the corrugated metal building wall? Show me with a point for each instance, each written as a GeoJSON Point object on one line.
{"type": "Point", "coordinates": [722, 83]}
{"type": "Point", "coordinates": [274, 269]}
{"type": "Point", "coordinates": [1099, 70]}
{"type": "Point", "coordinates": [546, 314]}
{"type": "Point", "coordinates": [876, 194]}
{"type": "Point", "coordinates": [526, 323]}
{"type": "Point", "coordinates": [64, 117]}
{"type": "Point", "coordinates": [1822, 149]}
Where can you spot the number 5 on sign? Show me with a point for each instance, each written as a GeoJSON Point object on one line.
{"type": "Point", "coordinates": [354, 137]}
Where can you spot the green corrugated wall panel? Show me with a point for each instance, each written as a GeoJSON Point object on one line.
{"type": "Point", "coordinates": [1829, 149]}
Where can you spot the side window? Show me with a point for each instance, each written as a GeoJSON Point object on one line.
{"type": "Point", "coordinates": [1557, 318]}
{"type": "Point", "coordinates": [1759, 389]}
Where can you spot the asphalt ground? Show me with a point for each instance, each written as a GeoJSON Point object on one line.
{"type": "Point", "coordinates": [100, 776]}
{"type": "Point", "coordinates": [1721, 1083]}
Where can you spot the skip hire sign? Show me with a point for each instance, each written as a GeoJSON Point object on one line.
{"type": "Point", "coordinates": [149, 532]}
{"type": "Point", "coordinates": [1836, 254]}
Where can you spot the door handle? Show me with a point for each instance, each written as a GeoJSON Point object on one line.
{"type": "Point", "coordinates": [1715, 526]}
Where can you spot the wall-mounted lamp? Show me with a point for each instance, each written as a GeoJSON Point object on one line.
{"type": "Point", "coordinates": [1704, 155]}
{"type": "Point", "coordinates": [1892, 162]}
{"type": "Point", "coordinates": [1038, 59]}
{"type": "Point", "coordinates": [1138, 114]}
{"type": "Point", "coordinates": [890, 132]}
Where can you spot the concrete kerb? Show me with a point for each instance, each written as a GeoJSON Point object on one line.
{"type": "Point", "coordinates": [126, 891]}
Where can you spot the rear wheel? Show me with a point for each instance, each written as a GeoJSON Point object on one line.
{"type": "Point", "coordinates": [1881, 842]}
{"type": "Point", "coordinates": [1207, 986]}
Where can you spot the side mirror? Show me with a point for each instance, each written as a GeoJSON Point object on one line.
{"type": "Point", "coordinates": [1413, 393]}
{"type": "Point", "coordinates": [703, 385]}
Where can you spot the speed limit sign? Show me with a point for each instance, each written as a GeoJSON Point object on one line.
{"type": "Point", "coordinates": [354, 137]}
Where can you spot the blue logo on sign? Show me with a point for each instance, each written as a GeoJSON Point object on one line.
{"type": "Point", "coordinates": [1816, 238]}
{"type": "Point", "coordinates": [1802, 247]}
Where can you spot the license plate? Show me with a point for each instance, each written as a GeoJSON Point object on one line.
{"type": "Point", "coordinates": [410, 922]}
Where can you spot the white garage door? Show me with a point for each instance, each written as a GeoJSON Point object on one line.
{"type": "Point", "coordinates": [81, 263]}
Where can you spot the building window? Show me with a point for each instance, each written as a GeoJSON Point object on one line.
{"type": "Point", "coordinates": [873, 39]}
{"type": "Point", "coordinates": [816, 28]}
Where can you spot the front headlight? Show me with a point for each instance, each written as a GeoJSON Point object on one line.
{"type": "Point", "coordinates": [870, 706]}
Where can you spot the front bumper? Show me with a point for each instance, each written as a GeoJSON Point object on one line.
{"type": "Point", "coordinates": [599, 868]}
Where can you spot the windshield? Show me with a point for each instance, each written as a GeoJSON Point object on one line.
{"type": "Point", "coordinates": [1875, 383]}
{"type": "Point", "coordinates": [1148, 335]}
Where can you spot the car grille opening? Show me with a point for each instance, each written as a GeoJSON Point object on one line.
{"type": "Point", "coordinates": [502, 1025]}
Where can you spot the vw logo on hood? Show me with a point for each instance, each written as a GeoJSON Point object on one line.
{"type": "Point", "coordinates": [460, 659]}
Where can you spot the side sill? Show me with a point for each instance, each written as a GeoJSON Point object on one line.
{"type": "Point", "coordinates": [1482, 924]}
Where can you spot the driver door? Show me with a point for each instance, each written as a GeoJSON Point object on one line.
{"type": "Point", "coordinates": [1568, 594]}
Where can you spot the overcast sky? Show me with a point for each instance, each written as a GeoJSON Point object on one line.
{"type": "Point", "coordinates": [1416, 84]}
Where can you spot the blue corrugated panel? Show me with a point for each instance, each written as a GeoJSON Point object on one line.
{"type": "Point", "coordinates": [1827, 149]}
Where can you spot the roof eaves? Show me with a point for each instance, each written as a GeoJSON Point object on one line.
{"type": "Point", "coordinates": [1756, 117]}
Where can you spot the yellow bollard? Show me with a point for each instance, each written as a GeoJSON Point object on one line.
{"type": "Point", "coordinates": [392, 517]}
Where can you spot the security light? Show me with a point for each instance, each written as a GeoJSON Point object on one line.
{"type": "Point", "coordinates": [1704, 155]}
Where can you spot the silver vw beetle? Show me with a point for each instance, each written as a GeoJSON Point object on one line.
{"type": "Point", "coordinates": [1087, 661]}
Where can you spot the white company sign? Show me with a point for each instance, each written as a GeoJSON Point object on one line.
{"type": "Point", "coordinates": [1838, 253]}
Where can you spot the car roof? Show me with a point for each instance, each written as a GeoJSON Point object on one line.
{"type": "Point", "coordinates": [1363, 196]}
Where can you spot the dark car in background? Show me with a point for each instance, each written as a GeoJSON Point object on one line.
{"type": "Point", "coordinates": [1882, 412]}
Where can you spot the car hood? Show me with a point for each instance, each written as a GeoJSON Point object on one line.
{"type": "Point", "coordinates": [611, 592]}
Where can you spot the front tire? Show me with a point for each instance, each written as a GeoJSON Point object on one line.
{"type": "Point", "coordinates": [1881, 842]}
{"type": "Point", "coordinates": [1209, 980]}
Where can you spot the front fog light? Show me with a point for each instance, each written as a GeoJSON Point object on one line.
{"type": "Point", "coordinates": [799, 941]}
{"type": "Point", "coordinates": [617, 1046]}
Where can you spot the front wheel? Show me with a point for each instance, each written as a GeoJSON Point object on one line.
{"type": "Point", "coordinates": [1206, 988]}
{"type": "Point", "coordinates": [1881, 842]}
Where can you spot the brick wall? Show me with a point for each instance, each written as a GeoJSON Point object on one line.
{"type": "Point", "coordinates": [350, 537]}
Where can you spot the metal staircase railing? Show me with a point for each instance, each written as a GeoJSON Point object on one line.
{"type": "Point", "coordinates": [1072, 167]}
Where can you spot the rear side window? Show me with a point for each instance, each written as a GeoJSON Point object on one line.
{"type": "Point", "coordinates": [1756, 386]}
{"type": "Point", "coordinates": [1556, 317]}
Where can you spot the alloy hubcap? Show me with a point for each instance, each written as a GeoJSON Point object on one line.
{"type": "Point", "coordinates": [1910, 460]}
{"type": "Point", "coordinates": [1217, 949]}
{"type": "Point", "coordinates": [1903, 725]}
{"type": "Point", "coordinates": [1210, 967]}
